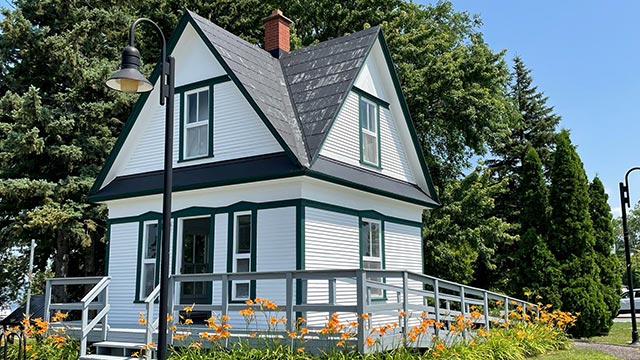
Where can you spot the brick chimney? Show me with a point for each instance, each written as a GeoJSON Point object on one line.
{"type": "Point", "coordinates": [276, 33]}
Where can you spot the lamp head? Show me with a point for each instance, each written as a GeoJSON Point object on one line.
{"type": "Point", "coordinates": [129, 79]}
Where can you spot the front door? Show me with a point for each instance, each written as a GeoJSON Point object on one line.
{"type": "Point", "coordinates": [195, 260]}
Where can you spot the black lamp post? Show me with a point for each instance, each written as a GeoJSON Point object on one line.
{"type": "Point", "coordinates": [624, 201]}
{"type": "Point", "coordinates": [129, 79]}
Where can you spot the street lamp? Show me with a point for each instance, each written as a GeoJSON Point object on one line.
{"type": "Point", "coordinates": [624, 201]}
{"type": "Point", "coordinates": [130, 80]}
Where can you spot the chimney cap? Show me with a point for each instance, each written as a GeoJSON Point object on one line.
{"type": "Point", "coordinates": [277, 14]}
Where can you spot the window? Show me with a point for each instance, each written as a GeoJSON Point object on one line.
{"type": "Point", "coordinates": [196, 124]}
{"type": "Point", "coordinates": [148, 258]}
{"type": "Point", "coordinates": [242, 255]}
{"type": "Point", "coordinates": [369, 137]}
{"type": "Point", "coordinates": [371, 233]}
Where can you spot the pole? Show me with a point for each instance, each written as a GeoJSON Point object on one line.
{"type": "Point", "coordinates": [166, 206]}
{"type": "Point", "coordinates": [624, 201]}
{"type": "Point", "coordinates": [27, 311]}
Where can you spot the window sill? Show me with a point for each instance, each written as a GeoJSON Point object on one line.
{"type": "Point", "coordinates": [370, 165]}
{"type": "Point", "coordinates": [195, 158]}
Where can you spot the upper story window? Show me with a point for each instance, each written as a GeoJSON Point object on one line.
{"type": "Point", "coordinates": [196, 121]}
{"type": "Point", "coordinates": [369, 133]}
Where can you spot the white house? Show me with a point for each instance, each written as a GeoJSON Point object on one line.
{"type": "Point", "coordinates": [284, 161]}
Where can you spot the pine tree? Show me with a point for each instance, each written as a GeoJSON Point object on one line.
{"type": "Point", "coordinates": [572, 240]}
{"type": "Point", "coordinates": [608, 262]}
{"type": "Point", "coordinates": [536, 268]}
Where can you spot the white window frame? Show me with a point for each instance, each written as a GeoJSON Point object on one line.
{"type": "Point", "coordinates": [198, 123]}
{"type": "Point", "coordinates": [366, 131]}
{"type": "Point", "coordinates": [376, 259]}
{"type": "Point", "coordinates": [144, 260]}
{"type": "Point", "coordinates": [236, 256]}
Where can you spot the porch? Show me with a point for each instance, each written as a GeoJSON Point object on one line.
{"type": "Point", "coordinates": [360, 302]}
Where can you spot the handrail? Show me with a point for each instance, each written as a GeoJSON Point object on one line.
{"type": "Point", "coordinates": [152, 325]}
{"type": "Point", "coordinates": [430, 290]}
{"type": "Point", "coordinates": [100, 287]}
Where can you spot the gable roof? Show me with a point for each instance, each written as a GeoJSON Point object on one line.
{"type": "Point", "coordinates": [320, 78]}
{"type": "Point", "coordinates": [260, 75]}
{"type": "Point", "coordinates": [297, 96]}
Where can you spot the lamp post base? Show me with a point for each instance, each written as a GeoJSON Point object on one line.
{"type": "Point", "coordinates": [634, 339]}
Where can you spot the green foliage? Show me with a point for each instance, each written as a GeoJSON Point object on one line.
{"type": "Point", "coordinates": [572, 241]}
{"type": "Point", "coordinates": [537, 270]}
{"type": "Point", "coordinates": [462, 235]}
{"type": "Point", "coordinates": [534, 123]}
{"type": "Point", "coordinates": [609, 264]}
{"type": "Point", "coordinates": [454, 83]}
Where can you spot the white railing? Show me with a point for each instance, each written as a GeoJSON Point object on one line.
{"type": "Point", "coordinates": [443, 300]}
{"type": "Point", "coordinates": [152, 325]}
{"type": "Point", "coordinates": [96, 299]}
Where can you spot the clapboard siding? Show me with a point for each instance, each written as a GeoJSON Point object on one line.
{"type": "Point", "coordinates": [331, 242]}
{"type": "Point", "coordinates": [123, 249]}
{"type": "Point", "coordinates": [276, 249]}
{"type": "Point", "coordinates": [237, 130]}
{"type": "Point", "coordinates": [343, 141]}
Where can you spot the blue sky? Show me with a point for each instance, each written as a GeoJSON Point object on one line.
{"type": "Point", "coordinates": [585, 56]}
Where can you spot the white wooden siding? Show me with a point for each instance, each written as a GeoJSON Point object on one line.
{"type": "Point", "coordinates": [238, 131]}
{"type": "Point", "coordinates": [343, 141]}
{"type": "Point", "coordinates": [331, 242]}
{"type": "Point", "coordinates": [123, 257]}
{"type": "Point", "coordinates": [276, 249]}
{"type": "Point", "coordinates": [403, 251]}
{"type": "Point", "coordinates": [220, 243]}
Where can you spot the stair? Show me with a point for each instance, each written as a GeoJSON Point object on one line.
{"type": "Point", "coordinates": [113, 350]}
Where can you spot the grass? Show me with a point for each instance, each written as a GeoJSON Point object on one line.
{"type": "Point", "coordinates": [619, 334]}
{"type": "Point", "coordinates": [576, 354]}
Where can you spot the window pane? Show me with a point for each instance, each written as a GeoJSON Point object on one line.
{"type": "Point", "coordinates": [197, 140]}
{"type": "Point", "coordinates": [366, 237]}
{"type": "Point", "coordinates": [369, 148]}
{"type": "Point", "coordinates": [363, 114]}
{"type": "Point", "coordinates": [148, 281]}
{"type": "Point", "coordinates": [373, 265]}
{"type": "Point", "coordinates": [203, 106]}
{"type": "Point", "coordinates": [200, 249]}
{"type": "Point", "coordinates": [242, 290]}
{"type": "Point", "coordinates": [242, 265]}
{"type": "Point", "coordinates": [375, 240]}
{"type": "Point", "coordinates": [371, 118]}
{"type": "Point", "coordinates": [192, 106]}
{"type": "Point", "coordinates": [152, 241]}
{"type": "Point", "coordinates": [244, 234]}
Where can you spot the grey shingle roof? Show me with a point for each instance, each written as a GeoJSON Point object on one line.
{"type": "Point", "coordinates": [261, 75]}
{"type": "Point", "coordinates": [319, 78]}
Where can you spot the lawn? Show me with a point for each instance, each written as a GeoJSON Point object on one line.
{"type": "Point", "coordinates": [576, 354]}
{"type": "Point", "coordinates": [620, 333]}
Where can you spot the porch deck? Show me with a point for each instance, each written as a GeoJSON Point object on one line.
{"type": "Point", "coordinates": [362, 301]}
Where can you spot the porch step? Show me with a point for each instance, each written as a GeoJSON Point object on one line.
{"type": "Point", "coordinates": [105, 357]}
{"type": "Point", "coordinates": [114, 350]}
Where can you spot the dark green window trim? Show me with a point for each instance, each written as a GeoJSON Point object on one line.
{"type": "Point", "coordinates": [147, 217]}
{"type": "Point", "coordinates": [253, 210]}
{"type": "Point", "coordinates": [383, 264]}
{"type": "Point", "coordinates": [370, 97]}
{"type": "Point", "coordinates": [377, 166]}
{"type": "Point", "coordinates": [200, 85]}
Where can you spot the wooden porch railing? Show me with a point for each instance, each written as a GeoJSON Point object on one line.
{"type": "Point", "coordinates": [442, 300]}
{"type": "Point", "coordinates": [96, 299]}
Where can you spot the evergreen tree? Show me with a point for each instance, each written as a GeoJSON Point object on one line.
{"type": "Point", "coordinates": [608, 262]}
{"type": "Point", "coordinates": [533, 125]}
{"type": "Point", "coordinates": [536, 268]}
{"type": "Point", "coordinates": [462, 235]}
{"type": "Point", "coordinates": [572, 241]}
